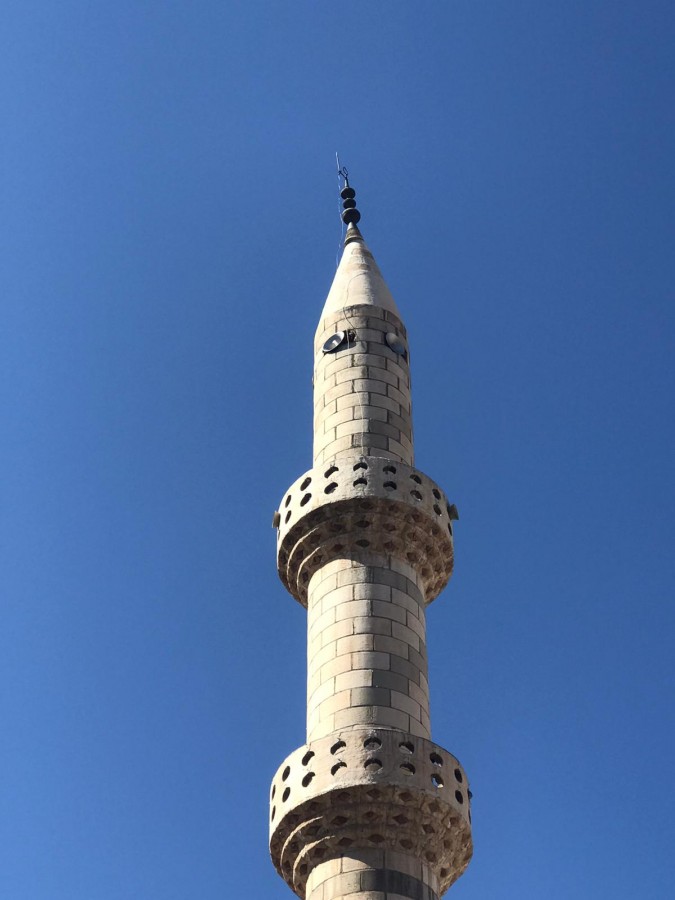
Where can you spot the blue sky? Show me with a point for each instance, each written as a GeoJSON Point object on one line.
{"type": "Point", "coordinates": [169, 232]}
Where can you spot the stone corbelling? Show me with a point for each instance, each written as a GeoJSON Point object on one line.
{"type": "Point", "coordinates": [370, 788]}
{"type": "Point", "coordinates": [359, 504]}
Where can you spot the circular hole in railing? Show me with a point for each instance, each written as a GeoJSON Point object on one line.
{"type": "Point", "coordinates": [362, 543]}
{"type": "Point", "coordinates": [436, 493]}
{"type": "Point", "coordinates": [438, 510]}
{"type": "Point", "coordinates": [436, 759]}
{"type": "Point", "coordinates": [305, 499]}
{"type": "Point", "coordinates": [436, 780]}
{"type": "Point", "coordinates": [372, 765]}
{"type": "Point", "coordinates": [416, 478]}
{"type": "Point", "coordinates": [286, 773]}
{"type": "Point", "coordinates": [406, 747]}
{"type": "Point", "coordinates": [450, 528]}
{"type": "Point", "coordinates": [416, 494]}
{"type": "Point", "coordinates": [459, 797]}
{"type": "Point", "coordinates": [286, 794]}
{"type": "Point", "coordinates": [306, 758]}
{"type": "Point", "coordinates": [274, 812]}
{"type": "Point", "coordinates": [330, 471]}
{"type": "Point", "coordinates": [458, 775]}
{"type": "Point", "coordinates": [288, 516]}
{"type": "Point", "coordinates": [337, 746]}
{"type": "Point", "coordinates": [363, 523]}
{"type": "Point", "coordinates": [407, 768]}
{"type": "Point", "coordinates": [406, 843]}
{"type": "Point", "coordinates": [390, 485]}
{"type": "Point", "coordinates": [274, 790]}
{"type": "Point", "coordinates": [288, 500]}
{"type": "Point", "coordinates": [306, 483]}
{"type": "Point", "coordinates": [360, 465]}
{"type": "Point", "coordinates": [306, 780]}
{"type": "Point", "coordinates": [360, 481]}
{"type": "Point", "coordinates": [330, 487]}
{"type": "Point", "coordinates": [372, 743]}
{"type": "Point", "coordinates": [336, 768]}
{"type": "Point", "coordinates": [389, 470]}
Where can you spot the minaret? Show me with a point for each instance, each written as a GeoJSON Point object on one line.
{"type": "Point", "coordinates": [369, 808]}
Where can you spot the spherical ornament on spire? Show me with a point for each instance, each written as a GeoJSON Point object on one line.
{"type": "Point", "coordinates": [350, 214]}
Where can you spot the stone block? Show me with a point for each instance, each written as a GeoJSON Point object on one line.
{"type": "Point", "coordinates": [355, 678]}
{"type": "Point", "coordinates": [405, 703]}
{"type": "Point", "coordinates": [391, 645]}
{"type": "Point", "coordinates": [389, 610]}
{"type": "Point", "coordinates": [370, 696]}
{"type": "Point", "coordinates": [370, 659]}
{"type": "Point", "coordinates": [355, 643]}
{"type": "Point", "coordinates": [403, 633]}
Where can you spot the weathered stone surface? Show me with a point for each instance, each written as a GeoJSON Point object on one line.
{"type": "Point", "coordinates": [369, 808]}
{"type": "Point", "coordinates": [364, 503]}
{"type": "Point", "coordinates": [370, 788]}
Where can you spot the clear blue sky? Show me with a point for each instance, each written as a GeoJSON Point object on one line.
{"type": "Point", "coordinates": [169, 231]}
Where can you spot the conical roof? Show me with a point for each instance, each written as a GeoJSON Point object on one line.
{"type": "Point", "coordinates": [358, 280]}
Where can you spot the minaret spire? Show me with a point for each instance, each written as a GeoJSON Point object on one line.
{"type": "Point", "coordinates": [369, 807]}
{"type": "Point", "coordinates": [358, 280]}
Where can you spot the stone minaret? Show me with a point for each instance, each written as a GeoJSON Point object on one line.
{"type": "Point", "coordinates": [369, 808]}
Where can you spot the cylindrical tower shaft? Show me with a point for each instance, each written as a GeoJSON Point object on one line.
{"type": "Point", "coordinates": [362, 387]}
{"type": "Point", "coordinates": [366, 652]}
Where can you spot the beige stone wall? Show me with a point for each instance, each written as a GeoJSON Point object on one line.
{"type": "Point", "coordinates": [372, 800]}
{"type": "Point", "coordinates": [373, 875]}
{"type": "Point", "coordinates": [364, 504]}
{"type": "Point", "coordinates": [366, 650]}
{"type": "Point", "coordinates": [362, 390]}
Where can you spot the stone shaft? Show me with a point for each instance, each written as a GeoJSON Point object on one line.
{"type": "Point", "coordinates": [362, 392]}
{"type": "Point", "coordinates": [366, 655]}
{"type": "Point", "coordinates": [369, 808]}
